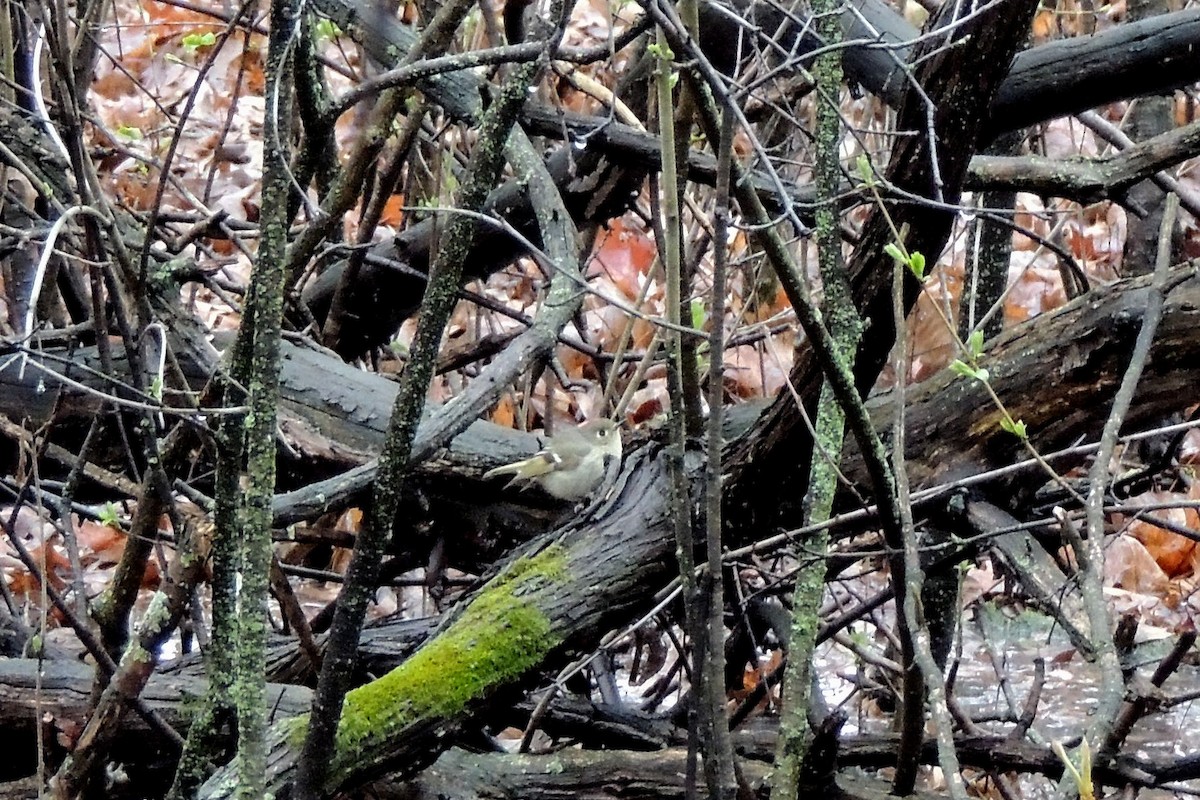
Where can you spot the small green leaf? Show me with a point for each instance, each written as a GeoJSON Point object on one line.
{"type": "Point", "coordinates": [129, 133]}
{"type": "Point", "coordinates": [698, 314]}
{"type": "Point", "coordinates": [916, 263]}
{"type": "Point", "coordinates": [975, 344]}
{"type": "Point", "coordinates": [327, 29]}
{"type": "Point", "coordinates": [108, 515]}
{"type": "Point", "coordinates": [661, 51]}
{"type": "Point", "coordinates": [194, 41]}
{"type": "Point", "coordinates": [1082, 775]}
{"type": "Point", "coordinates": [1015, 427]}
{"type": "Point", "coordinates": [892, 250]}
{"type": "Point", "coordinates": [962, 368]}
{"type": "Point", "coordinates": [864, 170]}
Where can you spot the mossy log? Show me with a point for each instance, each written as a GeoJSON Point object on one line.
{"type": "Point", "coordinates": [557, 592]}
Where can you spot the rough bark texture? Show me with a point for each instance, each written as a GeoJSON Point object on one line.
{"type": "Point", "coordinates": [1053, 372]}
{"type": "Point", "coordinates": [571, 773]}
{"type": "Point", "coordinates": [557, 592]}
{"type": "Point", "coordinates": [1047, 81]}
{"type": "Point", "coordinates": [960, 81]}
{"type": "Point", "coordinates": [1057, 374]}
{"type": "Point", "coordinates": [602, 567]}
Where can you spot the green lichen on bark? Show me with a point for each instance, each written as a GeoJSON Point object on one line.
{"type": "Point", "coordinates": [845, 327]}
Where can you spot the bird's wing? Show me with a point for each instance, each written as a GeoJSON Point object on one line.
{"type": "Point", "coordinates": [532, 467]}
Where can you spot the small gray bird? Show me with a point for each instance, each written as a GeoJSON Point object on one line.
{"type": "Point", "coordinates": [573, 463]}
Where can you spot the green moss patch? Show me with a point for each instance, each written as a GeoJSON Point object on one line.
{"type": "Point", "coordinates": [498, 638]}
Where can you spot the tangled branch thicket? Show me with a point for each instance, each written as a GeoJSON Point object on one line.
{"type": "Point", "coordinates": [899, 322]}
